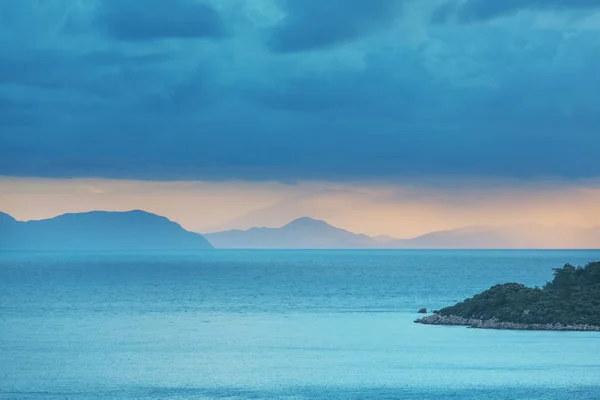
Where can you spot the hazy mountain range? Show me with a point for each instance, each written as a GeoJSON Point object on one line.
{"type": "Point", "coordinates": [302, 233]}
{"type": "Point", "coordinates": [311, 233]}
{"type": "Point", "coordinates": [524, 236]}
{"type": "Point", "coordinates": [98, 230]}
{"type": "Point", "coordinates": [139, 230]}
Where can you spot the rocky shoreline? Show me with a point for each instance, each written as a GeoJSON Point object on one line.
{"type": "Point", "coordinates": [453, 320]}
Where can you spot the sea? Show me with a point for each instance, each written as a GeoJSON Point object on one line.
{"type": "Point", "coordinates": [292, 325]}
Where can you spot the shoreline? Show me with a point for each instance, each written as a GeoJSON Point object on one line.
{"type": "Point", "coordinates": [453, 320]}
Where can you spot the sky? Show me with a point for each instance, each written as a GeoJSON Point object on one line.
{"type": "Point", "coordinates": [382, 116]}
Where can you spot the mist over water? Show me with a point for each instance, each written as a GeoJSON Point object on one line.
{"type": "Point", "coordinates": [277, 324]}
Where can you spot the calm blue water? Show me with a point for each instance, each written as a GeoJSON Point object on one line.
{"type": "Point", "coordinates": [277, 325]}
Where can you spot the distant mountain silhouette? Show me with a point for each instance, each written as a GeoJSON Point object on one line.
{"type": "Point", "coordinates": [302, 233]}
{"type": "Point", "coordinates": [6, 219]}
{"type": "Point", "coordinates": [320, 204]}
{"type": "Point", "coordinates": [314, 234]}
{"type": "Point", "coordinates": [140, 230]}
{"type": "Point", "coordinates": [527, 235]}
{"type": "Point", "coordinates": [98, 230]}
{"type": "Point", "coordinates": [385, 239]}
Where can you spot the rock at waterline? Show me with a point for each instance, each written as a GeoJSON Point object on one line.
{"type": "Point", "coordinates": [570, 302]}
{"type": "Point", "coordinates": [422, 311]}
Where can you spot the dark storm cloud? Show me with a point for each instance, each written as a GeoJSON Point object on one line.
{"type": "Point", "coordinates": [481, 10]}
{"type": "Point", "coordinates": [14, 113]}
{"type": "Point", "coordinates": [460, 100]}
{"type": "Point", "coordinates": [137, 20]}
{"type": "Point", "coordinates": [319, 24]}
{"type": "Point", "coordinates": [369, 92]}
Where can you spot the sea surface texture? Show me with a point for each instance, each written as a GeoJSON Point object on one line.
{"type": "Point", "coordinates": [277, 325]}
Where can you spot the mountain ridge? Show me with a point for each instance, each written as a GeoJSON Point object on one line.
{"type": "Point", "coordinates": [513, 236]}
{"type": "Point", "coordinates": [138, 229]}
{"type": "Point", "coordinates": [99, 230]}
{"type": "Point", "coordinates": [300, 233]}
{"type": "Point", "coordinates": [517, 236]}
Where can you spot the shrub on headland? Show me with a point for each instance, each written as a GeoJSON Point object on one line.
{"type": "Point", "coordinates": [571, 298]}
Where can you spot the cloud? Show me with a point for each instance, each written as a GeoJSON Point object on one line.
{"type": "Point", "coordinates": [468, 11]}
{"type": "Point", "coordinates": [134, 20]}
{"type": "Point", "coordinates": [314, 24]}
{"type": "Point", "coordinates": [409, 100]}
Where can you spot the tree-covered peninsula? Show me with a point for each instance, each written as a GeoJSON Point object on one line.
{"type": "Point", "coordinates": [571, 301]}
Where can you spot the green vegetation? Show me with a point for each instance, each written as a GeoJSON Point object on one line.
{"type": "Point", "coordinates": [573, 297]}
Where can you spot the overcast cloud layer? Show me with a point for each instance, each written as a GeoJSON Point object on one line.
{"type": "Point", "coordinates": [300, 89]}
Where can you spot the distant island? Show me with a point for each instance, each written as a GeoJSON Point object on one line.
{"type": "Point", "coordinates": [309, 233]}
{"type": "Point", "coordinates": [302, 233]}
{"type": "Point", "coordinates": [98, 231]}
{"type": "Point", "coordinates": [571, 302]}
{"type": "Point", "coordinates": [141, 230]}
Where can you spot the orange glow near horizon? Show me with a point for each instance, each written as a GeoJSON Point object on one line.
{"type": "Point", "coordinates": [401, 211]}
